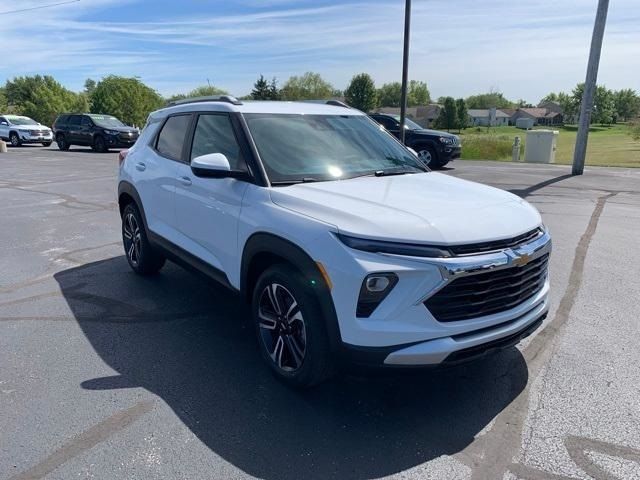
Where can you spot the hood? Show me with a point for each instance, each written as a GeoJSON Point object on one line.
{"type": "Point", "coordinates": [120, 129]}
{"type": "Point", "coordinates": [437, 133]}
{"type": "Point", "coordinates": [419, 208]}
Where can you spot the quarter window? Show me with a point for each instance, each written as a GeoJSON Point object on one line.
{"type": "Point", "coordinates": [214, 134]}
{"type": "Point", "coordinates": [172, 135]}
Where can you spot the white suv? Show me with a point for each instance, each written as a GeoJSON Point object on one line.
{"type": "Point", "coordinates": [18, 130]}
{"type": "Point", "coordinates": [347, 247]}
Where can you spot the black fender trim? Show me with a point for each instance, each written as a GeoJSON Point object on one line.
{"type": "Point", "coordinates": [267, 243]}
{"type": "Point", "coordinates": [127, 188]}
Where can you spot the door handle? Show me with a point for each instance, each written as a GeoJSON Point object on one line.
{"type": "Point", "coordinates": [141, 166]}
{"type": "Point", "coordinates": [186, 181]}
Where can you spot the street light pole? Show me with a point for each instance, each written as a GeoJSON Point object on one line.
{"type": "Point", "coordinates": [405, 68]}
{"type": "Point", "coordinates": [589, 88]}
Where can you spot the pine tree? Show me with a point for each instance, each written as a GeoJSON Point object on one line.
{"type": "Point", "coordinates": [261, 89]}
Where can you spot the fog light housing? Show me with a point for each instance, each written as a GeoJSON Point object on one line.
{"type": "Point", "coordinates": [375, 288]}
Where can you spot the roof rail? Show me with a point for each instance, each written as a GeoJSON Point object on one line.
{"type": "Point", "coordinates": [213, 98]}
{"type": "Point", "coordinates": [337, 103]}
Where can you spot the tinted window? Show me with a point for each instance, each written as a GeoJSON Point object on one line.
{"type": "Point", "coordinates": [214, 134]}
{"type": "Point", "coordinates": [62, 119]}
{"type": "Point", "coordinates": [171, 137]}
{"type": "Point", "coordinates": [75, 120]}
{"type": "Point", "coordinates": [86, 121]}
{"type": "Point", "coordinates": [2, 119]}
{"type": "Point", "coordinates": [387, 123]}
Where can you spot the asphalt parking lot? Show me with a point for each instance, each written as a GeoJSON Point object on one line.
{"type": "Point", "coordinates": [107, 375]}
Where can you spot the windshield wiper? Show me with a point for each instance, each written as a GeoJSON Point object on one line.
{"type": "Point", "coordinates": [296, 182]}
{"type": "Point", "coordinates": [395, 171]}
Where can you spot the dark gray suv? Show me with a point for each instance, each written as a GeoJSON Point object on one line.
{"type": "Point", "coordinates": [100, 132]}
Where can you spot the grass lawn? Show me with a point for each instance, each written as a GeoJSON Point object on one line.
{"type": "Point", "coordinates": [608, 146]}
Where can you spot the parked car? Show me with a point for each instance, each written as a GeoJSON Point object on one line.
{"type": "Point", "coordinates": [17, 130]}
{"type": "Point", "coordinates": [434, 148]}
{"type": "Point", "coordinates": [100, 132]}
{"type": "Point", "coordinates": [346, 246]}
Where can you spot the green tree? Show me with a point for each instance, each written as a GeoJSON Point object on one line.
{"type": "Point", "coordinates": [260, 89]}
{"type": "Point", "coordinates": [361, 93]}
{"type": "Point", "coordinates": [42, 98]}
{"type": "Point", "coordinates": [310, 86]}
{"type": "Point", "coordinates": [202, 91]}
{"type": "Point", "coordinates": [126, 98]}
{"type": "Point", "coordinates": [627, 104]}
{"type": "Point", "coordinates": [417, 94]}
{"type": "Point", "coordinates": [89, 86]}
{"type": "Point", "coordinates": [389, 94]}
{"type": "Point", "coordinates": [3, 100]}
{"type": "Point", "coordinates": [461, 113]}
{"type": "Point", "coordinates": [603, 103]}
{"type": "Point", "coordinates": [489, 100]}
{"type": "Point", "coordinates": [448, 117]}
{"type": "Point", "coordinates": [263, 90]}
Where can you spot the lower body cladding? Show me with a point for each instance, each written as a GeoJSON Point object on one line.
{"type": "Point", "coordinates": [449, 154]}
{"type": "Point", "coordinates": [443, 310]}
{"type": "Point", "coordinates": [119, 142]}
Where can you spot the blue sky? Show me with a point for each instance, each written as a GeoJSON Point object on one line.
{"type": "Point", "coordinates": [459, 47]}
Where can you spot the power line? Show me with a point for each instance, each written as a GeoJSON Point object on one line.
{"type": "Point", "coordinates": [39, 7]}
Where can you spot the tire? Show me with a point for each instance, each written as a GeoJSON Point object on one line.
{"type": "Point", "coordinates": [294, 342]}
{"type": "Point", "coordinates": [46, 144]}
{"type": "Point", "coordinates": [428, 156]}
{"type": "Point", "coordinates": [14, 139]}
{"type": "Point", "coordinates": [99, 145]}
{"type": "Point", "coordinates": [62, 142]}
{"type": "Point", "coordinates": [142, 258]}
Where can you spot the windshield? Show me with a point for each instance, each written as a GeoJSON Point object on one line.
{"type": "Point", "coordinates": [106, 121]}
{"type": "Point", "coordinates": [22, 121]}
{"type": "Point", "coordinates": [296, 148]}
{"type": "Point", "coordinates": [410, 124]}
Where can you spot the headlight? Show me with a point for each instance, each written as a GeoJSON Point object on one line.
{"type": "Point", "coordinates": [111, 132]}
{"type": "Point", "coordinates": [395, 248]}
{"type": "Point", "coordinates": [375, 288]}
{"type": "Point", "coordinates": [447, 140]}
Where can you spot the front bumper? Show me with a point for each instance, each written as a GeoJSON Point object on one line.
{"type": "Point", "coordinates": [116, 141]}
{"type": "Point", "coordinates": [403, 332]}
{"type": "Point", "coordinates": [26, 137]}
{"type": "Point", "coordinates": [450, 153]}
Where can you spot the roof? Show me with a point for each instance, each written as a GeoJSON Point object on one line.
{"type": "Point", "coordinates": [509, 111]}
{"type": "Point", "coordinates": [484, 112]}
{"type": "Point", "coordinates": [534, 112]}
{"type": "Point", "coordinates": [249, 106]}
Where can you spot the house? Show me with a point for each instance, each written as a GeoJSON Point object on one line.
{"type": "Point", "coordinates": [487, 117]}
{"type": "Point", "coordinates": [424, 115]}
{"type": "Point", "coordinates": [539, 115]}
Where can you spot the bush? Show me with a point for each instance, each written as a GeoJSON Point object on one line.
{"type": "Point", "coordinates": [487, 147]}
{"type": "Point", "coordinates": [635, 130]}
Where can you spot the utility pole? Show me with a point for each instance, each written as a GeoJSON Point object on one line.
{"type": "Point", "coordinates": [586, 105]}
{"type": "Point", "coordinates": [405, 67]}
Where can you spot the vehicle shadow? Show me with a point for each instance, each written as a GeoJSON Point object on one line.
{"type": "Point", "coordinates": [189, 342]}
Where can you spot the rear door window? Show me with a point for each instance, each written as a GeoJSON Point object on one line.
{"type": "Point", "coordinates": [171, 138]}
{"type": "Point", "coordinates": [75, 120]}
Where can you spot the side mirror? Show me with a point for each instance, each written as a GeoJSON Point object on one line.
{"type": "Point", "coordinates": [215, 165]}
{"type": "Point", "coordinates": [211, 165]}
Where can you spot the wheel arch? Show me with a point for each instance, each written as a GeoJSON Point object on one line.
{"type": "Point", "coordinates": [265, 249]}
{"type": "Point", "coordinates": [127, 194]}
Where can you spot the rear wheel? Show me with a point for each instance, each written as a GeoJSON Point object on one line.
{"type": "Point", "coordinates": [291, 333]}
{"type": "Point", "coordinates": [62, 142]}
{"type": "Point", "coordinates": [142, 258]}
{"type": "Point", "coordinates": [15, 139]}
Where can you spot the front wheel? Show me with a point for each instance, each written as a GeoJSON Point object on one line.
{"type": "Point", "coordinates": [142, 258]}
{"type": "Point", "coordinates": [15, 140]}
{"type": "Point", "coordinates": [291, 333]}
{"type": "Point", "coordinates": [428, 156]}
{"type": "Point", "coordinates": [99, 144]}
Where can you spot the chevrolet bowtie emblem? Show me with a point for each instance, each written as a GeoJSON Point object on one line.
{"type": "Point", "coordinates": [521, 260]}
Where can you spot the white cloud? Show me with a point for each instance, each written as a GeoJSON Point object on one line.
{"type": "Point", "coordinates": [524, 48]}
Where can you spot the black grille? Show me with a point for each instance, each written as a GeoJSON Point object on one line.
{"type": "Point", "coordinates": [488, 293]}
{"type": "Point", "coordinates": [475, 248]}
